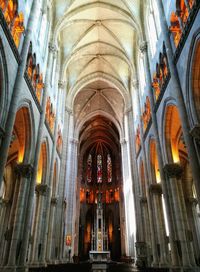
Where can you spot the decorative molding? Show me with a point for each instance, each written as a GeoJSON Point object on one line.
{"type": "Point", "coordinates": [155, 188]}
{"type": "Point", "coordinates": [61, 84]}
{"type": "Point", "coordinates": [74, 141]}
{"type": "Point", "coordinates": [52, 48]}
{"type": "Point", "coordinates": [135, 84]}
{"type": "Point", "coordinates": [143, 46]}
{"type": "Point", "coordinates": [24, 170]}
{"type": "Point", "coordinates": [54, 201]}
{"type": "Point", "coordinates": [123, 141]}
{"type": "Point", "coordinates": [173, 170]}
{"type": "Point", "coordinates": [68, 110]}
{"type": "Point", "coordinates": [42, 189]}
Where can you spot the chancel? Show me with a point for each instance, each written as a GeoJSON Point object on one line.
{"type": "Point", "coordinates": [99, 135]}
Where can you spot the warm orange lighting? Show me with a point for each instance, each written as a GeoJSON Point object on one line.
{"type": "Point", "coordinates": [39, 171]}
{"type": "Point", "coordinates": [21, 155]}
{"type": "Point", "coordinates": [175, 155]}
{"type": "Point", "coordinates": [157, 175]}
{"type": "Point", "coordinates": [82, 195]}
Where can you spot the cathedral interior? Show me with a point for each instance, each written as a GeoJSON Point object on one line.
{"type": "Point", "coordinates": [99, 135]}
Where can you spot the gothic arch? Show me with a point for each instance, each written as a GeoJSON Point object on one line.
{"type": "Point", "coordinates": [43, 163]}
{"type": "Point", "coordinates": [193, 80]}
{"type": "Point", "coordinates": [4, 90]}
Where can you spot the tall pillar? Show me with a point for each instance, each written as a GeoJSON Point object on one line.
{"type": "Point", "coordinates": [30, 196]}
{"type": "Point", "coordinates": [134, 171]}
{"type": "Point", "coordinates": [149, 202]}
{"type": "Point", "coordinates": [42, 191]}
{"type": "Point", "coordinates": [62, 204]}
{"type": "Point", "coordinates": [17, 90]}
{"type": "Point", "coordinates": [24, 173]}
{"type": "Point", "coordinates": [51, 241]}
{"type": "Point", "coordinates": [126, 178]}
{"type": "Point", "coordinates": [174, 172]}
{"type": "Point", "coordinates": [48, 202]}
{"type": "Point", "coordinates": [71, 185]}
{"type": "Point", "coordinates": [174, 253]}
{"type": "Point", "coordinates": [192, 155]}
{"type": "Point", "coordinates": [156, 192]}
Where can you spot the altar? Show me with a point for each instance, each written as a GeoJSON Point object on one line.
{"type": "Point", "coordinates": [99, 253]}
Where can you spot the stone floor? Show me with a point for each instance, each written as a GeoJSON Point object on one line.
{"type": "Point", "coordinates": [86, 267]}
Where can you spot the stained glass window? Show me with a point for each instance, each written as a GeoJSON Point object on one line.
{"type": "Point", "coordinates": [99, 169]}
{"type": "Point", "coordinates": [109, 168]}
{"type": "Point", "coordinates": [89, 168]}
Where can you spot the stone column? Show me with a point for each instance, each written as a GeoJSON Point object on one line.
{"type": "Point", "coordinates": [5, 208]}
{"type": "Point", "coordinates": [48, 204]}
{"type": "Point", "coordinates": [30, 202]}
{"type": "Point", "coordinates": [49, 249]}
{"type": "Point", "coordinates": [156, 192]}
{"type": "Point", "coordinates": [126, 185]}
{"type": "Point", "coordinates": [192, 155]}
{"type": "Point", "coordinates": [174, 253]}
{"type": "Point", "coordinates": [61, 206]}
{"type": "Point", "coordinates": [191, 204]}
{"type": "Point", "coordinates": [17, 90]}
{"type": "Point", "coordinates": [24, 173]}
{"type": "Point", "coordinates": [151, 221]}
{"type": "Point", "coordinates": [70, 189]}
{"type": "Point", "coordinates": [42, 191]}
{"type": "Point", "coordinates": [174, 172]}
{"type": "Point", "coordinates": [134, 171]}
{"type": "Point", "coordinates": [145, 260]}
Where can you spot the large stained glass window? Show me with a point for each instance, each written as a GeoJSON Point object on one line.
{"type": "Point", "coordinates": [99, 169]}
{"type": "Point", "coordinates": [109, 168]}
{"type": "Point", "coordinates": [89, 168]}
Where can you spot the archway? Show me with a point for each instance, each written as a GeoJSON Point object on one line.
{"type": "Point", "coordinates": [99, 172]}
{"type": "Point", "coordinates": [182, 188]}
{"type": "Point", "coordinates": [13, 187]}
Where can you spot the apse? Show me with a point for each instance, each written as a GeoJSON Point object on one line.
{"type": "Point", "coordinates": [99, 171]}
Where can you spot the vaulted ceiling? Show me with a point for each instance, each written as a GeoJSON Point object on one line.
{"type": "Point", "coordinates": [98, 42]}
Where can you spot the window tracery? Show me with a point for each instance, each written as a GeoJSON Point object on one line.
{"type": "Point", "coordinates": [109, 168]}
{"type": "Point", "coordinates": [89, 169]}
{"type": "Point", "coordinates": [99, 168]}
{"type": "Point", "coordinates": [14, 20]}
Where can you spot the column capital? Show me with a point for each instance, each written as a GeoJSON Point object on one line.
{"type": "Point", "coordinates": [135, 83]}
{"type": "Point", "coordinates": [74, 141]}
{"type": "Point", "coordinates": [123, 141]}
{"type": "Point", "coordinates": [24, 170]}
{"type": "Point", "coordinates": [54, 201]}
{"type": "Point", "coordinates": [155, 188]}
{"type": "Point", "coordinates": [195, 132]}
{"type": "Point", "coordinates": [42, 189]}
{"type": "Point", "coordinates": [52, 47]}
{"type": "Point", "coordinates": [5, 201]}
{"type": "Point", "coordinates": [143, 46]}
{"type": "Point", "coordinates": [143, 200]}
{"type": "Point", "coordinates": [127, 110]}
{"type": "Point", "coordinates": [173, 170]}
{"type": "Point", "coordinates": [192, 200]}
{"type": "Point", "coordinates": [68, 110]}
{"type": "Point", "coordinates": [61, 84]}
{"type": "Point", "coordinates": [65, 203]}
